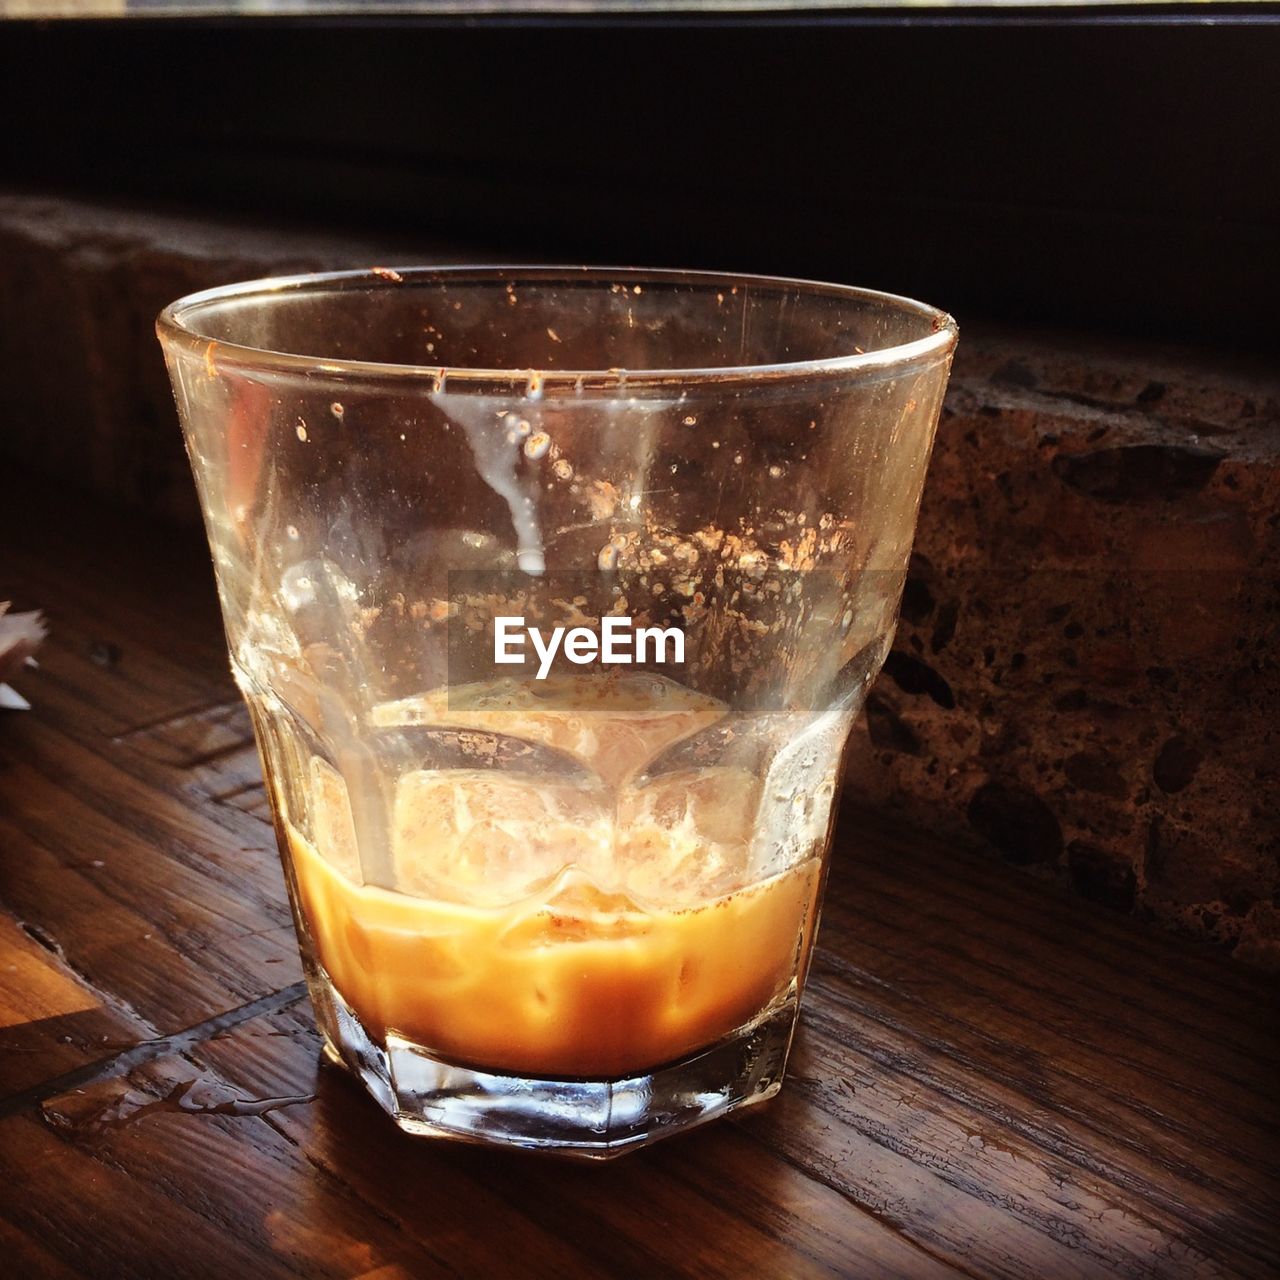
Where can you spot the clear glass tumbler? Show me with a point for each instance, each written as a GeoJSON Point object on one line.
{"type": "Point", "coordinates": [554, 594]}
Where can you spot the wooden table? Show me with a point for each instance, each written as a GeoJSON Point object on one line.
{"type": "Point", "coordinates": [992, 1079]}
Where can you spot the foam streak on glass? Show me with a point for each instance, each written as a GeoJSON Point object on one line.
{"type": "Point", "coordinates": [558, 904]}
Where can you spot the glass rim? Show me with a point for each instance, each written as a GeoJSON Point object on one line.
{"type": "Point", "coordinates": [174, 329]}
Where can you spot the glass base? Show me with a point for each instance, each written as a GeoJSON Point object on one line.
{"type": "Point", "coordinates": [590, 1119]}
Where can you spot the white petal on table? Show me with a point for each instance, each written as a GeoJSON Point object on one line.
{"type": "Point", "coordinates": [20, 637]}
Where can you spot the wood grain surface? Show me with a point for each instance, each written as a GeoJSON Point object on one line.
{"type": "Point", "coordinates": [991, 1079]}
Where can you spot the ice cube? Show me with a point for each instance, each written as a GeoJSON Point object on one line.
{"type": "Point", "coordinates": [798, 792]}
{"type": "Point", "coordinates": [684, 837]}
{"type": "Point", "coordinates": [614, 724]}
{"type": "Point", "coordinates": [486, 837]}
{"type": "Point", "coordinates": [331, 822]}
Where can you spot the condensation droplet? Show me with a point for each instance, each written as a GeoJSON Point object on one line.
{"type": "Point", "coordinates": [608, 557]}
{"type": "Point", "coordinates": [523, 428]}
{"type": "Point", "coordinates": [292, 531]}
{"type": "Point", "coordinates": [537, 445]}
{"type": "Point", "coordinates": [737, 457]}
{"type": "Point", "coordinates": [337, 410]}
{"type": "Point", "coordinates": [775, 471]}
{"type": "Point", "coordinates": [302, 431]}
{"type": "Point", "coordinates": [691, 421]}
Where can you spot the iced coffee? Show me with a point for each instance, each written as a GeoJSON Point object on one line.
{"type": "Point", "coordinates": [595, 925]}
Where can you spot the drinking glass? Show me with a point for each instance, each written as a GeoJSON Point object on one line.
{"type": "Point", "coordinates": [554, 594]}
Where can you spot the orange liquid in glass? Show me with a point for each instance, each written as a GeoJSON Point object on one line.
{"type": "Point", "coordinates": [545, 929]}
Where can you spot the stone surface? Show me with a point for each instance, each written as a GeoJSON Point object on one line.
{"type": "Point", "coordinates": [1084, 680]}
{"type": "Point", "coordinates": [85, 394]}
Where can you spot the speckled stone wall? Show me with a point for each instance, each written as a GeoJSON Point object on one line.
{"type": "Point", "coordinates": [1084, 680]}
{"type": "Point", "coordinates": [1085, 675]}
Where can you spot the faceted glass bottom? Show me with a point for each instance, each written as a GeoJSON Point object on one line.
{"type": "Point", "coordinates": [590, 1119]}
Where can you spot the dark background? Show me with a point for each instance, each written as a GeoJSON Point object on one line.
{"type": "Point", "coordinates": [1115, 170]}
